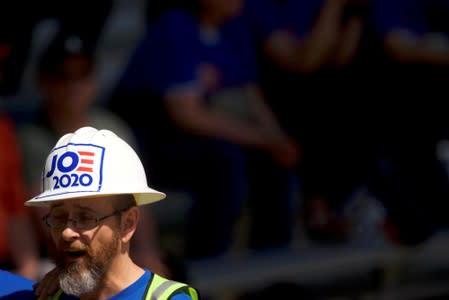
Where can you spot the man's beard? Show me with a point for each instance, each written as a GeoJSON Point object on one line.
{"type": "Point", "coordinates": [78, 279]}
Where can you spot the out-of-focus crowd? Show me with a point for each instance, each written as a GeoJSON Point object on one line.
{"type": "Point", "coordinates": [249, 106]}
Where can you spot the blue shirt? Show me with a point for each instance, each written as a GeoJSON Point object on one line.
{"type": "Point", "coordinates": [174, 49]}
{"type": "Point", "coordinates": [13, 286]}
{"type": "Point", "coordinates": [413, 15]}
{"type": "Point", "coordinates": [264, 17]}
{"type": "Point", "coordinates": [407, 14]}
{"type": "Point", "coordinates": [298, 16]}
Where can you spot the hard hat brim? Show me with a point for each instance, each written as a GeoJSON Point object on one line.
{"type": "Point", "coordinates": [142, 197]}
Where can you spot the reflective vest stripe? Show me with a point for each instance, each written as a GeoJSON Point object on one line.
{"type": "Point", "coordinates": [162, 288]}
{"type": "Point", "coordinates": [165, 290]}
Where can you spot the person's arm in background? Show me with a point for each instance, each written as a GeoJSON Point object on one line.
{"type": "Point", "coordinates": [407, 46]}
{"type": "Point", "coordinates": [34, 143]}
{"type": "Point", "coordinates": [24, 251]}
{"type": "Point", "coordinates": [310, 52]}
{"type": "Point", "coordinates": [189, 112]}
{"type": "Point", "coordinates": [355, 14]}
{"type": "Point", "coordinates": [406, 35]}
{"type": "Point", "coordinates": [23, 246]}
{"type": "Point", "coordinates": [283, 147]}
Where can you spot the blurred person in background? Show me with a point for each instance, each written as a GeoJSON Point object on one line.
{"type": "Point", "coordinates": [412, 57]}
{"type": "Point", "coordinates": [19, 19]}
{"type": "Point", "coordinates": [375, 57]}
{"type": "Point", "coordinates": [215, 136]}
{"type": "Point", "coordinates": [309, 52]}
{"type": "Point", "coordinates": [19, 251]}
{"type": "Point", "coordinates": [67, 81]}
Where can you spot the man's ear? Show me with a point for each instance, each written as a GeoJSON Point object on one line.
{"type": "Point", "coordinates": [130, 220]}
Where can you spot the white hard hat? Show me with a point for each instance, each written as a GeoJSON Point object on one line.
{"type": "Point", "coordinates": [91, 162]}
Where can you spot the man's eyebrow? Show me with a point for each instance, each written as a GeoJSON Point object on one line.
{"type": "Point", "coordinates": [86, 208]}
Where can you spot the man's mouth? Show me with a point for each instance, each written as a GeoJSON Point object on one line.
{"type": "Point", "coordinates": [74, 254]}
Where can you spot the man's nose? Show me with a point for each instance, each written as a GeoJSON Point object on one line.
{"type": "Point", "coordinates": [69, 231]}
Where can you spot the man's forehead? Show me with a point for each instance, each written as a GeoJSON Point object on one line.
{"type": "Point", "coordinates": [98, 203]}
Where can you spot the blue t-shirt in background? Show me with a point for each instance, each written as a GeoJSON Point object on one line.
{"type": "Point", "coordinates": [406, 14]}
{"type": "Point", "coordinates": [13, 286]}
{"type": "Point", "coordinates": [175, 47]}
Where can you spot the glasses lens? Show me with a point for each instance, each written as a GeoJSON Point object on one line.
{"type": "Point", "coordinates": [84, 222]}
{"type": "Point", "coordinates": [79, 222]}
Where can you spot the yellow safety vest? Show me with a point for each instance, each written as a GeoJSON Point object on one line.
{"type": "Point", "coordinates": [158, 288]}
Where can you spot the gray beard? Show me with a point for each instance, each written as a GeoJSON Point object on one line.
{"type": "Point", "coordinates": [75, 281]}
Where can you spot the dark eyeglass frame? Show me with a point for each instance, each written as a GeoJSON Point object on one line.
{"type": "Point", "coordinates": [74, 221]}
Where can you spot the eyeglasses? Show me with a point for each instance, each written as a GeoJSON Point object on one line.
{"type": "Point", "coordinates": [79, 222]}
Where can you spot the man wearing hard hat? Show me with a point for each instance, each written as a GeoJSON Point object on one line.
{"type": "Point", "coordinates": [93, 183]}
